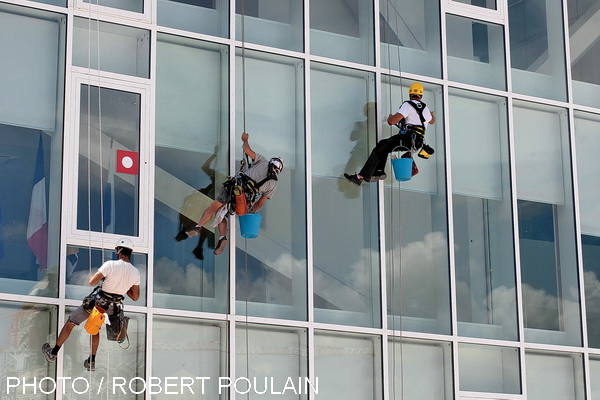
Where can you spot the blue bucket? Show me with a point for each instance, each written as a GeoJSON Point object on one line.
{"type": "Point", "coordinates": [249, 225]}
{"type": "Point", "coordinates": [402, 168]}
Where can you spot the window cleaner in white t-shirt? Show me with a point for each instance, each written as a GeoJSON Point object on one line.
{"type": "Point", "coordinates": [411, 118]}
{"type": "Point", "coordinates": [120, 278]}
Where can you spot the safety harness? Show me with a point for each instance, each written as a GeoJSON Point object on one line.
{"type": "Point", "coordinates": [410, 128]}
{"type": "Point", "coordinates": [116, 330]}
{"type": "Point", "coordinates": [242, 185]}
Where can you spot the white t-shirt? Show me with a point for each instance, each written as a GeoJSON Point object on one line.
{"type": "Point", "coordinates": [119, 276]}
{"type": "Point", "coordinates": [412, 116]}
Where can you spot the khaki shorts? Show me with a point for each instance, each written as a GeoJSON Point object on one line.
{"type": "Point", "coordinates": [80, 314]}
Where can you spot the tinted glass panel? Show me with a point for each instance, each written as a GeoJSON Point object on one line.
{"type": "Point", "coordinates": [345, 224]}
{"type": "Point", "coordinates": [191, 160]}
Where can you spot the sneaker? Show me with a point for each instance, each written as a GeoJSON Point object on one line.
{"type": "Point", "coordinates": [47, 350]}
{"type": "Point", "coordinates": [353, 179]}
{"type": "Point", "coordinates": [378, 176]}
{"type": "Point", "coordinates": [195, 231]}
{"type": "Point", "coordinates": [220, 247]}
{"type": "Point", "coordinates": [89, 365]}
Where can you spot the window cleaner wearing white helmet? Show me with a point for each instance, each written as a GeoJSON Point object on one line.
{"type": "Point", "coordinates": [411, 118]}
{"type": "Point", "coordinates": [263, 178]}
{"type": "Point", "coordinates": [119, 278]}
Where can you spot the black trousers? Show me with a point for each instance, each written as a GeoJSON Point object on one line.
{"type": "Point", "coordinates": [375, 164]}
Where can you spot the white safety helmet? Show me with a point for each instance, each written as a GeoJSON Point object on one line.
{"type": "Point", "coordinates": [124, 242]}
{"type": "Point", "coordinates": [277, 164]}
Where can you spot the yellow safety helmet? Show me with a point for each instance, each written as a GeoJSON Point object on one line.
{"type": "Point", "coordinates": [416, 88]}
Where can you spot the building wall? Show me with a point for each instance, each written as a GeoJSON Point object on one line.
{"type": "Point", "coordinates": [476, 279]}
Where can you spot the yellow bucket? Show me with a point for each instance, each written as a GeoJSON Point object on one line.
{"type": "Point", "coordinates": [95, 321]}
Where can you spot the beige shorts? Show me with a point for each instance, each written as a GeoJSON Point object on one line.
{"type": "Point", "coordinates": [80, 314]}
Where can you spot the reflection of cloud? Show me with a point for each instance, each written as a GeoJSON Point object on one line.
{"type": "Point", "coordinates": [284, 275]}
{"type": "Point", "coordinates": [351, 288]}
{"type": "Point", "coordinates": [169, 277]}
{"type": "Point", "coordinates": [542, 307]}
{"type": "Point", "coordinates": [495, 308]}
{"type": "Point", "coordinates": [82, 277]}
{"type": "Point", "coordinates": [592, 290]}
{"type": "Point", "coordinates": [592, 298]}
{"type": "Point", "coordinates": [547, 311]}
{"type": "Point", "coordinates": [421, 276]}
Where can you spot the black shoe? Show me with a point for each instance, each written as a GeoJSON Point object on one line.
{"type": "Point", "coordinates": [89, 365]}
{"type": "Point", "coordinates": [199, 253]}
{"type": "Point", "coordinates": [47, 350]}
{"type": "Point", "coordinates": [353, 179]}
{"type": "Point", "coordinates": [220, 247]}
{"type": "Point", "coordinates": [181, 236]}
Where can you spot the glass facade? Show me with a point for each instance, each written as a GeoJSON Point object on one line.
{"type": "Point", "coordinates": [478, 278]}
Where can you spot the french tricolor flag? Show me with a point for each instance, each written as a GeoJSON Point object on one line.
{"type": "Point", "coordinates": [37, 226]}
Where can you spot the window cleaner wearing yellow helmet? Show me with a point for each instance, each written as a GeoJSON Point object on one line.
{"type": "Point", "coordinates": [119, 278]}
{"type": "Point", "coordinates": [412, 118]}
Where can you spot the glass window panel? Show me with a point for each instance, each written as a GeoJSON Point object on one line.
{"type": "Point", "coordinates": [271, 269]}
{"type": "Point", "coordinates": [276, 23]}
{"type": "Point", "coordinates": [191, 157]}
{"type": "Point", "coordinates": [126, 5]}
{"type": "Point", "coordinates": [476, 52]}
{"type": "Point", "coordinates": [29, 210]}
{"type": "Point", "coordinates": [111, 48]}
{"type": "Point", "coordinates": [413, 29]}
{"type": "Point", "coordinates": [109, 138]}
{"type": "Point", "coordinates": [274, 359]}
{"type": "Point", "coordinates": [210, 17]}
{"type": "Point", "coordinates": [348, 366]}
{"type": "Point", "coordinates": [554, 376]}
{"type": "Point", "coordinates": [588, 170]}
{"type": "Point", "coordinates": [24, 328]}
{"type": "Point", "coordinates": [31, 137]}
{"type": "Point", "coordinates": [342, 29]}
{"type": "Point", "coordinates": [187, 348]}
{"type": "Point", "coordinates": [584, 18]}
{"type": "Point", "coordinates": [489, 4]}
{"type": "Point", "coordinates": [78, 271]}
{"type": "Point", "coordinates": [416, 229]}
{"type": "Point", "coordinates": [345, 223]}
{"type": "Point", "coordinates": [483, 232]}
{"type": "Point", "coordinates": [60, 3]}
{"type": "Point", "coordinates": [587, 142]}
{"type": "Point", "coordinates": [111, 361]}
{"type": "Point", "coordinates": [491, 369]}
{"type": "Point", "coordinates": [31, 71]}
{"type": "Point", "coordinates": [537, 48]}
{"type": "Point", "coordinates": [591, 265]}
{"type": "Point", "coordinates": [420, 370]}
{"type": "Point", "coordinates": [546, 226]}
{"type": "Point", "coordinates": [595, 378]}
{"type": "Point", "coordinates": [539, 152]}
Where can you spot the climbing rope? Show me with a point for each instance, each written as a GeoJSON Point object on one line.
{"type": "Point", "coordinates": [101, 159]}
{"type": "Point", "coordinates": [396, 316]}
{"type": "Point", "coordinates": [89, 158]}
{"type": "Point", "coordinates": [246, 283]}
